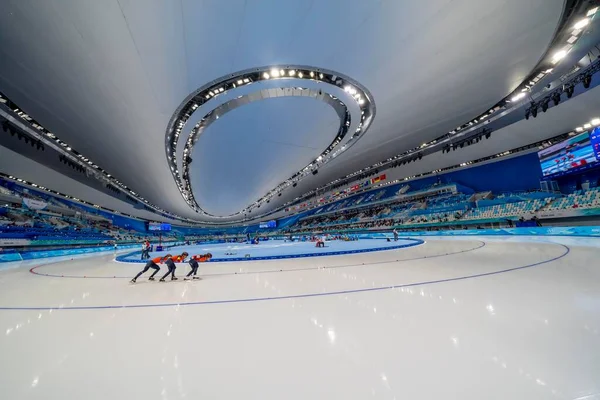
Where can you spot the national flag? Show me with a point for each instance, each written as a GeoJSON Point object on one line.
{"type": "Point", "coordinates": [378, 179]}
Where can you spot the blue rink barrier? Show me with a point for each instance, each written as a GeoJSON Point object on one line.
{"type": "Point", "coordinates": [34, 255]}
{"type": "Point", "coordinates": [588, 231]}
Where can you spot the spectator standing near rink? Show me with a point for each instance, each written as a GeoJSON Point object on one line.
{"type": "Point", "coordinates": [170, 262]}
{"type": "Point", "coordinates": [194, 260]}
{"type": "Point", "coordinates": [151, 264]}
{"type": "Point", "coordinates": [145, 250]}
{"type": "Point", "coordinates": [395, 232]}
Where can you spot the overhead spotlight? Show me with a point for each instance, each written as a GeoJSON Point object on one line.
{"type": "Point", "coordinates": [292, 72]}
{"type": "Point", "coordinates": [534, 110]}
{"type": "Point", "coordinates": [579, 129]}
{"type": "Point", "coordinates": [587, 80]}
{"type": "Point", "coordinates": [556, 98]}
{"type": "Point", "coordinates": [488, 134]}
{"type": "Point", "coordinates": [545, 105]}
{"type": "Point", "coordinates": [587, 126]}
{"type": "Point", "coordinates": [316, 171]}
{"type": "Point", "coordinates": [312, 74]}
{"type": "Point", "coordinates": [279, 195]}
{"type": "Point", "coordinates": [527, 113]}
{"type": "Point", "coordinates": [569, 90]}
{"type": "Point", "coordinates": [420, 156]}
{"type": "Point", "coordinates": [595, 121]}
{"type": "Point", "coordinates": [295, 184]}
{"type": "Point", "coordinates": [266, 75]}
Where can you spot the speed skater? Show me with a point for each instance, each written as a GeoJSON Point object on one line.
{"type": "Point", "coordinates": [194, 260]}
{"type": "Point", "coordinates": [170, 262]}
{"type": "Point", "coordinates": [153, 263]}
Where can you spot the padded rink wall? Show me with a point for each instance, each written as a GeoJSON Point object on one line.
{"type": "Point", "coordinates": [34, 255]}
{"type": "Point", "coordinates": [584, 231]}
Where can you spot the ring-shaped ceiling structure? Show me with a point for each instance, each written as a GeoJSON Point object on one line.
{"type": "Point", "coordinates": [352, 102]}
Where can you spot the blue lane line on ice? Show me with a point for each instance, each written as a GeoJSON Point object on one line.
{"type": "Point", "coordinates": [34, 270]}
{"type": "Point", "coordinates": [297, 296]}
{"type": "Point", "coordinates": [413, 242]}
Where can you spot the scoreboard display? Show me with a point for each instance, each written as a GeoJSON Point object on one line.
{"type": "Point", "coordinates": [157, 226]}
{"type": "Point", "coordinates": [572, 155]}
{"type": "Point", "coordinates": [268, 224]}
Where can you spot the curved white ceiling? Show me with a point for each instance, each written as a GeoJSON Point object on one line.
{"type": "Point", "coordinates": [241, 148]}
{"type": "Point", "coordinates": [107, 76]}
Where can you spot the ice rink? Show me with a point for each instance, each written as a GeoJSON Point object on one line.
{"type": "Point", "coordinates": [457, 318]}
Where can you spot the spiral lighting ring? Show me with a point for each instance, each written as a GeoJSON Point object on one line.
{"type": "Point", "coordinates": [352, 102]}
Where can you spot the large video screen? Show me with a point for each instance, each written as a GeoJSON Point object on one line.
{"type": "Point", "coordinates": [571, 155]}
{"type": "Point", "coordinates": [157, 226]}
{"type": "Point", "coordinates": [268, 224]}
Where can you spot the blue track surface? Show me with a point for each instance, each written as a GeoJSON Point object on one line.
{"type": "Point", "coordinates": [278, 249]}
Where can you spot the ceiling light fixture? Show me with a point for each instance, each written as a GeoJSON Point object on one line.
{"type": "Point", "coordinates": [518, 97]}
{"type": "Point", "coordinates": [559, 55]}
{"type": "Point", "coordinates": [358, 93]}
{"type": "Point", "coordinates": [581, 24]}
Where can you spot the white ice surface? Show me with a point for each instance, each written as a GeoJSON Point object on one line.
{"type": "Point", "coordinates": [530, 333]}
